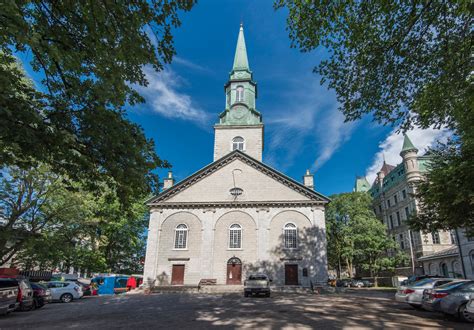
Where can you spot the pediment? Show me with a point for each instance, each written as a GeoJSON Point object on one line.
{"type": "Point", "coordinates": [259, 184]}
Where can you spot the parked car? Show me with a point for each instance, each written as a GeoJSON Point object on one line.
{"type": "Point", "coordinates": [432, 297]}
{"type": "Point", "coordinates": [257, 284]}
{"type": "Point", "coordinates": [345, 283]}
{"type": "Point", "coordinates": [415, 278]}
{"type": "Point", "coordinates": [41, 295]}
{"type": "Point", "coordinates": [455, 303]}
{"type": "Point", "coordinates": [65, 291]}
{"type": "Point", "coordinates": [86, 288]}
{"type": "Point", "coordinates": [470, 307]}
{"type": "Point", "coordinates": [8, 295]}
{"type": "Point", "coordinates": [25, 292]}
{"type": "Point", "coordinates": [415, 293]}
{"type": "Point", "coordinates": [404, 291]}
{"type": "Point", "coordinates": [361, 284]}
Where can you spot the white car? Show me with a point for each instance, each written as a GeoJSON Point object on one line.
{"type": "Point", "coordinates": [65, 291]}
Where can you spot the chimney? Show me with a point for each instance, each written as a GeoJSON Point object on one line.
{"type": "Point", "coordinates": [308, 180]}
{"type": "Point", "coordinates": [169, 181]}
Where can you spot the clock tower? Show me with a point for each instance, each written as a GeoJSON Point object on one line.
{"type": "Point", "coordinates": [240, 124]}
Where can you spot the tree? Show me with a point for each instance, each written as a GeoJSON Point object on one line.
{"type": "Point", "coordinates": [89, 54]}
{"type": "Point", "coordinates": [371, 244]}
{"type": "Point", "coordinates": [356, 238]}
{"type": "Point", "coordinates": [407, 63]}
{"type": "Point", "coordinates": [50, 225]}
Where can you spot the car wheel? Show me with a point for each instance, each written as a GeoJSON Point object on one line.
{"type": "Point", "coordinates": [418, 307]}
{"type": "Point", "coordinates": [268, 295]}
{"type": "Point", "coordinates": [465, 315]}
{"type": "Point", "coordinates": [246, 294]}
{"type": "Point", "coordinates": [66, 298]}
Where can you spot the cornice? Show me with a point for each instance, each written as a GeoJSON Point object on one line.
{"type": "Point", "coordinates": [259, 166]}
{"type": "Point", "coordinates": [263, 205]}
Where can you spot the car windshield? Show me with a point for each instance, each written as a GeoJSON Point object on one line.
{"type": "Point", "coordinates": [257, 277]}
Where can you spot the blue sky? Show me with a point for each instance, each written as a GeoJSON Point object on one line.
{"type": "Point", "coordinates": [303, 128]}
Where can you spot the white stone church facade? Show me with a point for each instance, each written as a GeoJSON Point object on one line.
{"type": "Point", "coordinates": [237, 215]}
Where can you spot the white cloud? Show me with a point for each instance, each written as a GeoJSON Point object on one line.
{"type": "Point", "coordinates": [163, 97]}
{"type": "Point", "coordinates": [191, 65]}
{"type": "Point", "coordinates": [392, 145]}
{"type": "Point", "coordinates": [317, 126]}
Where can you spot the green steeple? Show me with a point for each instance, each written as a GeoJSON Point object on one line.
{"type": "Point", "coordinates": [407, 145]}
{"type": "Point", "coordinates": [240, 90]}
{"type": "Point", "coordinates": [241, 61]}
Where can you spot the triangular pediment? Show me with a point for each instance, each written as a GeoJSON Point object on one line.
{"type": "Point", "coordinates": [258, 182]}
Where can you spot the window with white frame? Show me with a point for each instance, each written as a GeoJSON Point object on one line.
{"type": "Point", "coordinates": [181, 237]}
{"type": "Point", "coordinates": [290, 233]}
{"type": "Point", "coordinates": [235, 236]}
{"type": "Point", "coordinates": [238, 143]}
{"type": "Point", "coordinates": [435, 237]}
{"type": "Point", "coordinates": [239, 94]}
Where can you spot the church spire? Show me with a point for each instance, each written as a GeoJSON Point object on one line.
{"type": "Point", "coordinates": [241, 61]}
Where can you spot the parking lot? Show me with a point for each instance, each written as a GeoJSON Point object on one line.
{"type": "Point", "coordinates": [354, 309]}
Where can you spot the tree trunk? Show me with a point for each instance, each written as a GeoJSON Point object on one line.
{"type": "Point", "coordinates": [339, 269]}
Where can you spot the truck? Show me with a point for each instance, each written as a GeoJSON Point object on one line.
{"type": "Point", "coordinates": [8, 295]}
{"type": "Point", "coordinates": [257, 284]}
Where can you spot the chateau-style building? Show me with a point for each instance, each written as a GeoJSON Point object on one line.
{"type": "Point", "coordinates": [393, 193]}
{"type": "Point", "coordinates": [237, 215]}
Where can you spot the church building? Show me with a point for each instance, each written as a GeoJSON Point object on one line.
{"type": "Point", "coordinates": [237, 215]}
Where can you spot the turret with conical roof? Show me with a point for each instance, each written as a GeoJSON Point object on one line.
{"type": "Point", "coordinates": [410, 160]}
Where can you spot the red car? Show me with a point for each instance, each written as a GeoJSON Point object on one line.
{"type": "Point", "coordinates": [41, 295]}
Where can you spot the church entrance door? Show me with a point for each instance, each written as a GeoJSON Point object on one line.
{"type": "Point", "coordinates": [177, 275]}
{"type": "Point", "coordinates": [291, 274]}
{"type": "Point", "coordinates": [234, 271]}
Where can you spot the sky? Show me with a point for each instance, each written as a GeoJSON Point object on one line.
{"type": "Point", "coordinates": [303, 127]}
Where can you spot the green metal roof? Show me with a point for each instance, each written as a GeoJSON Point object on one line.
{"type": "Point", "coordinates": [407, 144]}
{"type": "Point", "coordinates": [241, 61]}
{"type": "Point", "coordinates": [361, 184]}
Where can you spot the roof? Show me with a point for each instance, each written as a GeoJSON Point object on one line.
{"type": "Point", "coordinates": [361, 184]}
{"type": "Point", "coordinates": [237, 154]}
{"type": "Point", "coordinates": [407, 144]}
{"type": "Point", "coordinates": [449, 252]}
{"type": "Point", "coordinates": [386, 168]}
{"type": "Point", "coordinates": [241, 61]}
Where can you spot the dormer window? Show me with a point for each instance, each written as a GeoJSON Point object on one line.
{"type": "Point", "coordinates": [238, 143]}
{"type": "Point", "coordinates": [239, 96]}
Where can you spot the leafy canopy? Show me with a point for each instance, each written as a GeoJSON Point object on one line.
{"type": "Point", "coordinates": [404, 62]}
{"type": "Point", "coordinates": [88, 54]}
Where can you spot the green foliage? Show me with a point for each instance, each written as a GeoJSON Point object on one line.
{"type": "Point", "coordinates": [90, 54]}
{"type": "Point", "coordinates": [406, 63]}
{"type": "Point", "coordinates": [402, 61]}
{"type": "Point", "coordinates": [356, 237]}
{"type": "Point", "coordinates": [446, 196]}
{"type": "Point", "coordinates": [51, 225]}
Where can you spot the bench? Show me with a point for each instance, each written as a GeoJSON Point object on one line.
{"type": "Point", "coordinates": [207, 281]}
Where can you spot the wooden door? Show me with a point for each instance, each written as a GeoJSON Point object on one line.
{"type": "Point", "coordinates": [291, 274]}
{"type": "Point", "coordinates": [234, 274]}
{"type": "Point", "coordinates": [177, 275]}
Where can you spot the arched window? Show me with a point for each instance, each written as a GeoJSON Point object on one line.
{"type": "Point", "coordinates": [239, 94]}
{"type": "Point", "coordinates": [290, 233]}
{"type": "Point", "coordinates": [235, 236]}
{"type": "Point", "coordinates": [238, 143]}
{"type": "Point", "coordinates": [444, 269]}
{"type": "Point", "coordinates": [181, 237]}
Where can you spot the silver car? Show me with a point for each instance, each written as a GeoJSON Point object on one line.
{"type": "Point", "coordinates": [65, 291]}
{"type": "Point", "coordinates": [415, 297]}
{"type": "Point", "coordinates": [455, 303]}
